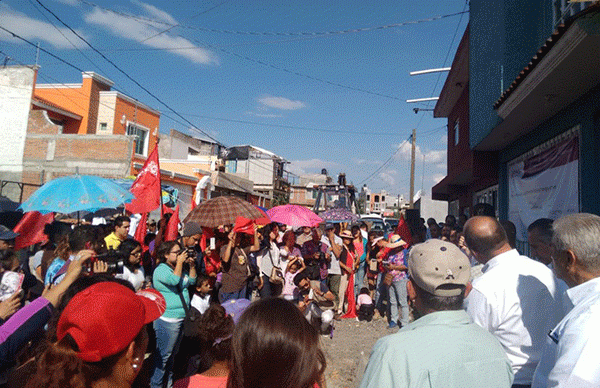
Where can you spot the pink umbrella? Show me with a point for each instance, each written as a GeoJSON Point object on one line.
{"type": "Point", "coordinates": [294, 215]}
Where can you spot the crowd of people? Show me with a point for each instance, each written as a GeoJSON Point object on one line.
{"type": "Point", "coordinates": [220, 307]}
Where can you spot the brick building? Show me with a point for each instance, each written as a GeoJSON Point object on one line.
{"type": "Point", "coordinates": [53, 130]}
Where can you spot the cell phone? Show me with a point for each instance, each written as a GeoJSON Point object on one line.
{"type": "Point", "coordinates": [213, 244]}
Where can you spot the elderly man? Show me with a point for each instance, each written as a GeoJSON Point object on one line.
{"type": "Point", "coordinates": [539, 237]}
{"type": "Point", "coordinates": [516, 299]}
{"type": "Point", "coordinates": [570, 358]}
{"type": "Point", "coordinates": [442, 348]}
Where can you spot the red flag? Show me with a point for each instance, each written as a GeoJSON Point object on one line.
{"type": "Point", "coordinates": [31, 229]}
{"type": "Point", "coordinates": [404, 231]}
{"type": "Point", "coordinates": [146, 187]}
{"type": "Point", "coordinates": [243, 225]}
{"type": "Point", "coordinates": [171, 233]}
{"type": "Point", "coordinates": [207, 233]}
{"type": "Point", "coordinates": [140, 231]}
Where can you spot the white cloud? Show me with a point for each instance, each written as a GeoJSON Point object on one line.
{"type": "Point", "coordinates": [156, 13]}
{"type": "Point", "coordinates": [281, 103]}
{"type": "Point", "coordinates": [387, 178]}
{"type": "Point", "coordinates": [311, 166]}
{"type": "Point", "coordinates": [437, 178]}
{"type": "Point", "coordinates": [431, 156]}
{"type": "Point", "coordinates": [133, 30]}
{"type": "Point", "coordinates": [35, 30]}
{"type": "Point", "coordinates": [362, 162]}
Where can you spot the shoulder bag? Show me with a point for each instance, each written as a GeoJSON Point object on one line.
{"type": "Point", "coordinates": [276, 273]}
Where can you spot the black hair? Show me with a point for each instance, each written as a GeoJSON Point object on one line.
{"type": "Point", "coordinates": [120, 220]}
{"type": "Point", "coordinates": [300, 276]}
{"type": "Point", "coordinates": [364, 291]}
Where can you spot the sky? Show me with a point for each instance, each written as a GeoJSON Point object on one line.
{"type": "Point", "coordinates": [322, 84]}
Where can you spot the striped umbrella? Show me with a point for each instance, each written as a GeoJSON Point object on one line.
{"type": "Point", "coordinates": [222, 210]}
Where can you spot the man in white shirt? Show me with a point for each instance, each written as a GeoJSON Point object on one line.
{"type": "Point", "coordinates": [334, 272]}
{"type": "Point", "coordinates": [570, 357]}
{"type": "Point", "coordinates": [516, 299]}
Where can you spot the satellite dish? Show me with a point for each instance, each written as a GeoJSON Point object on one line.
{"type": "Point", "coordinates": [123, 119]}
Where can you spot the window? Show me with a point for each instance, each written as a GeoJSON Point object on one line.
{"type": "Point", "coordinates": [192, 152]}
{"type": "Point", "coordinates": [141, 138]}
{"type": "Point", "coordinates": [103, 126]}
{"type": "Point", "coordinates": [563, 9]}
{"type": "Point", "coordinates": [376, 198]}
{"type": "Point", "coordinates": [456, 132]}
{"type": "Point", "coordinates": [368, 197]}
{"type": "Point", "coordinates": [383, 198]}
{"type": "Point", "coordinates": [231, 166]}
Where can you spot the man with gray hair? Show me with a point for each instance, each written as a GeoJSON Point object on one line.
{"type": "Point", "coordinates": [570, 358]}
{"type": "Point", "coordinates": [443, 347]}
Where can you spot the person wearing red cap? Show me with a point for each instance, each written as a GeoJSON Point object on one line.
{"type": "Point", "coordinates": [101, 338]}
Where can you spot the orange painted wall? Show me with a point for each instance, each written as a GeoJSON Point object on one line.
{"type": "Point", "coordinates": [82, 101]}
{"type": "Point", "coordinates": [140, 115]}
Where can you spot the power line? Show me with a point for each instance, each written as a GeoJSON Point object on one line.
{"type": "Point", "coordinates": [121, 70]}
{"type": "Point", "coordinates": [384, 163]}
{"type": "Point", "coordinates": [274, 33]}
{"type": "Point", "coordinates": [177, 25]}
{"type": "Point", "coordinates": [291, 126]}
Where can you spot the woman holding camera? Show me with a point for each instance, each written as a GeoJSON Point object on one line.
{"type": "Point", "coordinates": [131, 253]}
{"type": "Point", "coordinates": [172, 277]}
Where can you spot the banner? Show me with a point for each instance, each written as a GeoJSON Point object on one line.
{"type": "Point", "coordinates": [545, 185]}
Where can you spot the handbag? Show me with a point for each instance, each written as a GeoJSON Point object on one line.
{"type": "Point", "coordinates": [276, 273]}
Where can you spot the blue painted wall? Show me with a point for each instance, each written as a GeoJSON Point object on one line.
{"type": "Point", "coordinates": [504, 36]}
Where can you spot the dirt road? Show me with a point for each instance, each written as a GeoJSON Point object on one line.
{"type": "Point", "coordinates": [348, 351]}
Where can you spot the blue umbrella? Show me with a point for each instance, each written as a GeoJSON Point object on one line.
{"type": "Point", "coordinates": [73, 193]}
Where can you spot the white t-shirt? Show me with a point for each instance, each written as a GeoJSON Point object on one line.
{"type": "Point", "coordinates": [135, 278]}
{"type": "Point", "coordinates": [200, 303]}
{"type": "Point", "coordinates": [334, 264]}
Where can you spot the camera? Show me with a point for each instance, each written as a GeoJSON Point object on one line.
{"type": "Point", "coordinates": [113, 259]}
{"type": "Point", "coordinates": [191, 252]}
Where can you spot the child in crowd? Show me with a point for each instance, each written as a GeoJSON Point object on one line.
{"type": "Point", "coordinates": [201, 299]}
{"type": "Point", "coordinates": [365, 305]}
{"type": "Point", "coordinates": [290, 290]}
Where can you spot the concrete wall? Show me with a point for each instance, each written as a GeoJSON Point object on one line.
{"type": "Point", "coordinates": [106, 114]}
{"type": "Point", "coordinates": [49, 154]}
{"type": "Point", "coordinates": [16, 89]}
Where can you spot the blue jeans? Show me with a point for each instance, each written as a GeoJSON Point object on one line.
{"type": "Point", "coordinates": [359, 279]}
{"type": "Point", "coordinates": [225, 296]}
{"type": "Point", "coordinates": [381, 293]}
{"type": "Point", "coordinates": [399, 296]}
{"type": "Point", "coordinates": [167, 338]}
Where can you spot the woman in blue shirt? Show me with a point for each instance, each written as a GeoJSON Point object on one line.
{"type": "Point", "coordinates": [172, 279]}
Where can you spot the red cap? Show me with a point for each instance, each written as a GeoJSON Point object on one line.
{"type": "Point", "coordinates": [106, 317]}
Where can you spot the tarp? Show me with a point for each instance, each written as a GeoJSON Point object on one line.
{"type": "Point", "coordinates": [545, 185]}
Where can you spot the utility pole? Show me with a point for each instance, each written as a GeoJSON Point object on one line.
{"type": "Point", "coordinates": [412, 170]}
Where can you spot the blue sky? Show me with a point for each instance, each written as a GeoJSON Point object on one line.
{"type": "Point", "coordinates": [286, 76]}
